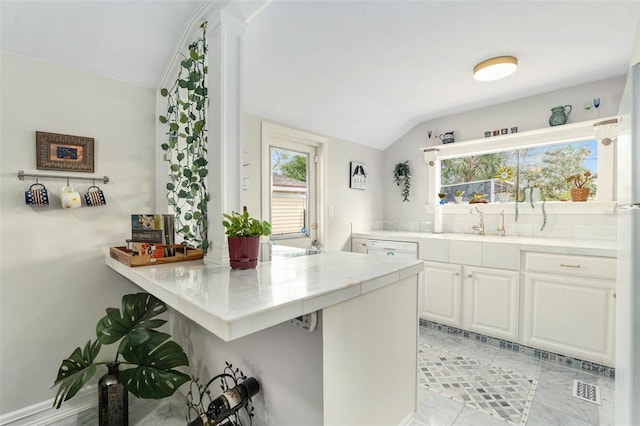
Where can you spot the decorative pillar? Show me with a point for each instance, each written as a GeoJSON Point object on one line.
{"type": "Point", "coordinates": [433, 174]}
{"type": "Point", "coordinates": [225, 56]}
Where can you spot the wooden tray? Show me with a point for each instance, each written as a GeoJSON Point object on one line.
{"type": "Point", "coordinates": [183, 253]}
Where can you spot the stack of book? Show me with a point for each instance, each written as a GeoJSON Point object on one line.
{"type": "Point", "coordinates": [150, 232]}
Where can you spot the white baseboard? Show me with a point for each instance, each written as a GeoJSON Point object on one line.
{"type": "Point", "coordinates": [43, 413]}
{"type": "Point", "coordinates": [407, 420]}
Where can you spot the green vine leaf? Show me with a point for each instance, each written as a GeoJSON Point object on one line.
{"type": "Point", "coordinates": [186, 150]}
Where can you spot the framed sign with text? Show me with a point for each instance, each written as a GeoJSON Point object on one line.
{"type": "Point", "coordinates": [357, 175]}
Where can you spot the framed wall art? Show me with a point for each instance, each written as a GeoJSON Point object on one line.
{"type": "Point", "coordinates": [64, 152]}
{"type": "Point", "coordinates": [357, 175]}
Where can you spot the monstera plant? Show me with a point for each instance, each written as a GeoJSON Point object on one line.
{"type": "Point", "coordinates": [149, 354]}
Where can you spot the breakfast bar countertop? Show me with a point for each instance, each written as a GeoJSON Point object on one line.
{"type": "Point", "coordinates": [234, 303]}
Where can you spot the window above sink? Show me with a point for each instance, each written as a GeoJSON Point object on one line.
{"type": "Point", "coordinates": [575, 142]}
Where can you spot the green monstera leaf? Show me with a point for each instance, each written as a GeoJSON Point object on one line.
{"type": "Point", "coordinates": [137, 313]}
{"type": "Point", "coordinates": [155, 357]}
{"type": "Point", "coordinates": [75, 371]}
{"type": "Point", "coordinates": [151, 356]}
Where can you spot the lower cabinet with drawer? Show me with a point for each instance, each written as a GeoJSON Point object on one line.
{"type": "Point", "coordinates": [569, 305]}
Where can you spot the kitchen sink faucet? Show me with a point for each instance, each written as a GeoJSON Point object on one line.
{"type": "Point", "coordinates": [480, 226]}
{"type": "Point", "coordinates": [501, 228]}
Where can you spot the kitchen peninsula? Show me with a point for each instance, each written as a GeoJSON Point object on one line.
{"type": "Point", "coordinates": [357, 367]}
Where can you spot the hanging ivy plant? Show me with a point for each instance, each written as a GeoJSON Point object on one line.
{"type": "Point", "coordinates": [402, 178]}
{"type": "Point", "coordinates": [186, 148]}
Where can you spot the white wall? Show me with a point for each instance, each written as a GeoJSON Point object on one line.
{"type": "Point", "coordinates": [54, 286]}
{"type": "Point", "coordinates": [348, 205]}
{"type": "Point", "coordinates": [290, 376]}
{"type": "Point", "coordinates": [528, 114]}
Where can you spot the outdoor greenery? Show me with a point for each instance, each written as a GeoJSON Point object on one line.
{"type": "Point", "coordinates": [296, 168]}
{"type": "Point", "coordinates": [186, 148]}
{"type": "Point", "coordinates": [153, 357]}
{"type": "Point", "coordinates": [242, 225]}
{"type": "Point", "coordinates": [290, 164]}
{"type": "Point", "coordinates": [546, 168]}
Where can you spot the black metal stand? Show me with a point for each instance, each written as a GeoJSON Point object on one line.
{"type": "Point", "coordinates": [199, 397]}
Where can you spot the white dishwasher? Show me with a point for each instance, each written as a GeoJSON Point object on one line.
{"type": "Point", "coordinates": [392, 248]}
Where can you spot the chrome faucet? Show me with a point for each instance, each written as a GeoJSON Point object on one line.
{"type": "Point", "coordinates": [501, 228]}
{"type": "Point", "coordinates": [480, 226]}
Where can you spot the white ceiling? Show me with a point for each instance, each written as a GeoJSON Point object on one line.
{"type": "Point", "coordinates": [363, 71]}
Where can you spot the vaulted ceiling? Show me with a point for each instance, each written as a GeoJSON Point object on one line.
{"type": "Point", "coordinates": [363, 71]}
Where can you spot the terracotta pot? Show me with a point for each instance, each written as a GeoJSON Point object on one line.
{"type": "Point", "coordinates": [579, 194]}
{"type": "Point", "coordinates": [243, 252]}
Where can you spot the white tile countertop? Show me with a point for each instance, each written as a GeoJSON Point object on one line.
{"type": "Point", "coordinates": [234, 303]}
{"type": "Point", "coordinates": [605, 248]}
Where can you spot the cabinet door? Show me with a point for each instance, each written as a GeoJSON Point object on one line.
{"type": "Point", "coordinates": [570, 315]}
{"type": "Point", "coordinates": [491, 299]}
{"type": "Point", "coordinates": [359, 245]}
{"type": "Point", "coordinates": [441, 293]}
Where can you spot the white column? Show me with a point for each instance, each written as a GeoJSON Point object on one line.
{"type": "Point", "coordinates": [433, 175]}
{"type": "Point", "coordinates": [225, 36]}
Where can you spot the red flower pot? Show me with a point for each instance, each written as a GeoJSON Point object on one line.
{"type": "Point", "coordinates": [243, 252]}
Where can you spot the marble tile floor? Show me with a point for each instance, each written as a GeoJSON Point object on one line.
{"type": "Point", "coordinates": [552, 404]}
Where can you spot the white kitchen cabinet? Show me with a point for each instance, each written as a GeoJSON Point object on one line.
{"type": "Point", "coordinates": [359, 245]}
{"type": "Point", "coordinates": [569, 305]}
{"type": "Point", "coordinates": [491, 301]}
{"type": "Point", "coordinates": [441, 293]}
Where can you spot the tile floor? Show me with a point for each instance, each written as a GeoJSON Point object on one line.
{"type": "Point", "coordinates": [552, 403]}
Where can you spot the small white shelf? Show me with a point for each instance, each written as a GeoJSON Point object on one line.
{"type": "Point", "coordinates": [574, 132]}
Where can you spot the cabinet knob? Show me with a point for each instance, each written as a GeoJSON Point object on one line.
{"type": "Point", "coordinates": [457, 274]}
{"type": "Point", "coordinates": [615, 295]}
{"type": "Point", "coordinates": [469, 276]}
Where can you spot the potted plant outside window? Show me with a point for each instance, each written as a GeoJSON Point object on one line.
{"type": "Point", "coordinates": [504, 177]}
{"type": "Point", "coordinates": [243, 235]}
{"type": "Point", "coordinates": [580, 190]}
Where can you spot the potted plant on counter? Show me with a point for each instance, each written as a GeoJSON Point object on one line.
{"type": "Point", "coordinates": [458, 196]}
{"type": "Point", "coordinates": [152, 358]}
{"type": "Point", "coordinates": [580, 190]}
{"type": "Point", "coordinates": [243, 235]}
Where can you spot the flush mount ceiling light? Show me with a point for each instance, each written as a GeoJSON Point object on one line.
{"type": "Point", "coordinates": [495, 68]}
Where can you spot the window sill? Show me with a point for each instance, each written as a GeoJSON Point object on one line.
{"type": "Point", "coordinates": [551, 207]}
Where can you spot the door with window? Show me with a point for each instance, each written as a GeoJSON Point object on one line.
{"type": "Point", "coordinates": [290, 185]}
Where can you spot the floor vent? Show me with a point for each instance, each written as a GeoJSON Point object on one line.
{"type": "Point", "coordinates": [586, 391]}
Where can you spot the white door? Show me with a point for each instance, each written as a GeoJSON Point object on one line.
{"type": "Point", "coordinates": [570, 315]}
{"type": "Point", "coordinates": [291, 185]}
{"type": "Point", "coordinates": [441, 294]}
{"type": "Point", "coordinates": [491, 299]}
